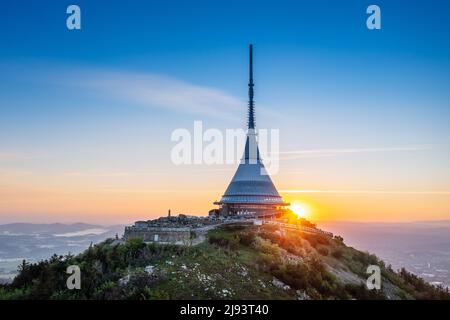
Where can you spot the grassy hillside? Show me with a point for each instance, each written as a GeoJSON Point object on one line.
{"type": "Point", "coordinates": [236, 262]}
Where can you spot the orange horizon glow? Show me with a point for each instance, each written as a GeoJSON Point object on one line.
{"type": "Point", "coordinates": [110, 206]}
{"type": "Point", "coordinates": [111, 198]}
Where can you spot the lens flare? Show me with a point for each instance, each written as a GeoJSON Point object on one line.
{"type": "Point", "coordinates": [300, 209]}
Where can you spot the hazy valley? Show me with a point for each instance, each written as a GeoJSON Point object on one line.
{"type": "Point", "coordinates": [34, 242]}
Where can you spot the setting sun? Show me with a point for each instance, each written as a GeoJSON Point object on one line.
{"type": "Point", "coordinates": [300, 209]}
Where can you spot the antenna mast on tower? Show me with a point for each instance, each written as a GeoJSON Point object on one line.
{"type": "Point", "coordinates": [251, 106]}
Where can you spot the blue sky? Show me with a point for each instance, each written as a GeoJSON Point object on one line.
{"type": "Point", "coordinates": [78, 101]}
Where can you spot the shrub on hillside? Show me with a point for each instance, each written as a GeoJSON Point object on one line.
{"type": "Point", "coordinates": [218, 240]}
{"type": "Point", "coordinates": [361, 292]}
{"type": "Point", "coordinates": [231, 243]}
{"type": "Point", "coordinates": [323, 251]}
{"type": "Point", "coordinates": [316, 239]}
{"type": "Point", "coordinates": [337, 253]}
{"type": "Point", "coordinates": [247, 238]}
{"type": "Point", "coordinates": [422, 289]}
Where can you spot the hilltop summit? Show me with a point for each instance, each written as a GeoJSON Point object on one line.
{"type": "Point", "coordinates": [236, 261]}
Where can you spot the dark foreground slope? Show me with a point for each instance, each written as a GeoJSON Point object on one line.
{"type": "Point", "coordinates": [236, 262]}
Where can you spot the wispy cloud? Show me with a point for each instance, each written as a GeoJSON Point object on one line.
{"type": "Point", "coordinates": [106, 174]}
{"type": "Point", "coordinates": [8, 156]}
{"type": "Point", "coordinates": [151, 191]}
{"type": "Point", "coordinates": [141, 88]}
{"type": "Point", "coordinates": [318, 153]}
{"type": "Point", "coordinates": [151, 90]}
{"type": "Point", "coordinates": [14, 156]}
{"type": "Point", "coordinates": [96, 174]}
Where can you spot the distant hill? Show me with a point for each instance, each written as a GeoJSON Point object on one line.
{"type": "Point", "coordinates": [51, 228]}
{"type": "Point", "coordinates": [235, 262]}
{"type": "Point", "coordinates": [33, 242]}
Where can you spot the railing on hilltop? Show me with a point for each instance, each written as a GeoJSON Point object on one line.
{"type": "Point", "coordinates": [300, 228]}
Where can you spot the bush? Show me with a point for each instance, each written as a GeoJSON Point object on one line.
{"type": "Point", "coordinates": [218, 240]}
{"type": "Point", "coordinates": [247, 238]}
{"type": "Point", "coordinates": [323, 251]}
{"type": "Point", "coordinates": [315, 239]}
{"type": "Point", "coordinates": [360, 292]}
{"type": "Point", "coordinates": [231, 243]}
{"type": "Point", "coordinates": [337, 253]}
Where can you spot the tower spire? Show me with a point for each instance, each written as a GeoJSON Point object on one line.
{"type": "Point", "coordinates": [251, 191]}
{"type": "Point", "coordinates": [251, 107]}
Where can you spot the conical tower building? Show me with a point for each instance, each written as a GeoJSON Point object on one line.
{"type": "Point", "coordinates": [251, 191]}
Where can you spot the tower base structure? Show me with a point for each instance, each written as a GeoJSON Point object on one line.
{"type": "Point", "coordinates": [248, 210]}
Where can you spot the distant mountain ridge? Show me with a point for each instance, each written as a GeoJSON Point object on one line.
{"type": "Point", "coordinates": [47, 228]}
